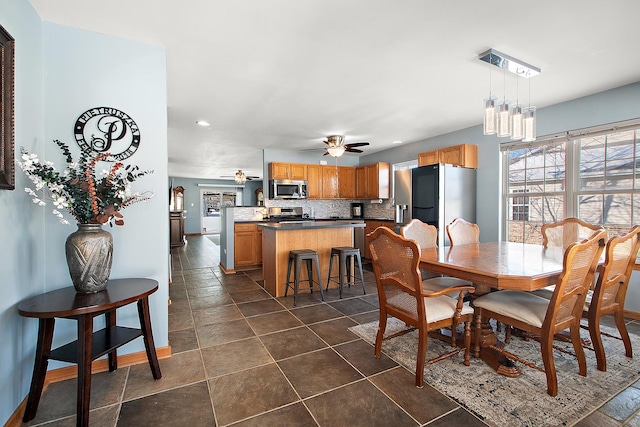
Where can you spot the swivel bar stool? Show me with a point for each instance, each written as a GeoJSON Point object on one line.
{"type": "Point", "coordinates": [295, 258]}
{"type": "Point", "coordinates": [346, 256]}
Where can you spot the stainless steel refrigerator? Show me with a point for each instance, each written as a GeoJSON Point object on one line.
{"type": "Point", "coordinates": [436, 195]}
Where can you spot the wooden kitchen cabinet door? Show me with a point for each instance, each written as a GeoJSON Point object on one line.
{"type": "Point", "coordinates": [465, 155]}
{"type": "Point", "coordinates": [361, 182]}
{"type": "Point", "coordinates": [329, 182]}
{"type": "Point", "coordinates": [347, 182]}
{"type": "Point", "coordinates": [314, 181]}
{"type": "Point", "coordinates": [429, 158]}
{"type": "Point", "coordinates": [298, 171]}
{"type": "Point", "coordinates": [378, 180]}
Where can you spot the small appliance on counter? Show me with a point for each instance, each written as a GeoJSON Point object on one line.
{"type": "Point", "coordinates": [357, 210]}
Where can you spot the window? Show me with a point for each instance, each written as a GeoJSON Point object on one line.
{"type": "Point", "coordinates": [591, 174]}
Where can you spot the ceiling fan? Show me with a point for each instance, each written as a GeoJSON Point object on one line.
{"type": "Point", "coordinates": [240, 177]}
{"type": "Point", "coordinates": [336, 146]}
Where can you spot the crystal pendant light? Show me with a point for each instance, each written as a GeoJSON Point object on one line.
{"type": "Point", "coordinates": [516, 115]}
{"type": "Point", "coordinates": [529, 120]}
{"type": "Point", "coordinates": [504, 112]}
{"type": "Point", "coordinates": [489, 126]}
{"type": "Point", "coordinates": [529, 124]}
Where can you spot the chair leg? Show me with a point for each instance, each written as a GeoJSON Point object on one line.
{"type": "Point", "coordinates": [467, 342]}
{"type": "Point", "coordinates": [546, 346]}
{"type": "Point", "coordinates": [341, 266]}
{"type": "Point", "coordinates": [286, 289]}
{"type": "Point", "coordinates": [382, 326]}
{"type": "Point", "coordinates": [622, 329]}
{"type": "Point", "coordinates": [507, 334]}
{"type": "Point", "coordinates": [596, 340]}
{"type": "Point", "coordinates": [330, 268]}
{"type": "Point", "coordinates": [574, 331]}
{"type": "Point", "coordinates": [319, 277]}
{"type": "Point", "coordinates": [422, 354]}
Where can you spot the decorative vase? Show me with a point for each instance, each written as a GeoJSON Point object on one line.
{"type": "Point", "coordinates": [89, 252]}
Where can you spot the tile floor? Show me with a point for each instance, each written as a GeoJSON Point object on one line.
{"type": "Point", "coordinates": [243, 358]}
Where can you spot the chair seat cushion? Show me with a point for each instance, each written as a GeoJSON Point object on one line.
{"type": "Point", "coordinates": [545, 292]}
{"type": "Point", "coordinates": [437, 308]}
{"type": "Point", "coordinates": [523, 306]}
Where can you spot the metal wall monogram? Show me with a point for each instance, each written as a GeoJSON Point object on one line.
{"type": "Point", "coordinates": [106, 129]}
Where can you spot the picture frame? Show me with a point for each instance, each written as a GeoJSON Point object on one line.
{"type": "Point", "coordinates": [7, 117]}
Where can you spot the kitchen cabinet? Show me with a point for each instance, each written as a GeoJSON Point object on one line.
{"type": "Point", "coordinates": [247, 247]}
{"type": "Point", "coordinates": [294, 171]}
{"type": "Point", "coordinates": [464, 155]}
{"type": "Point", "coordinates": [314, 181]}
{"type": "Point", "coordinates": [372, 181]}
{"type": "Point", "coordinates": [329, 182]}
{"type": "Point", "coordinates": [346, 182]}
{"type": "Point", "coordinates": [369, 226]}
{"type": "Point", "coordinates": [176, 228]}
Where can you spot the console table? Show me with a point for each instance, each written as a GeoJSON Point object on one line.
{"type": "Point", "coordinates": [90, 345]}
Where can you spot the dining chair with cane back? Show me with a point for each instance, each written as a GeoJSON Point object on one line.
{"type": "Point", "coordinates": [563, 233]}
{"type": "Point", "coordinates": [544, 318]}
{"type": "Point", "coordinates": [461, 232]}
{"type": "Point", "coordinates": [426, 236]}
{"type": "Point", "coordinates": [610, 291]}
{"type": "Point", "coordinates": [395, 264]}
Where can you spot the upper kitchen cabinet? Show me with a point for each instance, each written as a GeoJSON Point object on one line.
{"type": "Point", "coordinates": [329, 182]}
{"type": "Point", "coordinates": [464, 155]}
{"type": "Point", "coordinates": [287, 171]}
{"type": "Point", "coordinates": [347, 182]}
{"type": "Point", "coordinates": [372, 181]}
{"type": "Point", "coordinates": [314, 182]}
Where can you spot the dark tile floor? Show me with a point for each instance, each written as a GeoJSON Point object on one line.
{"type": "Point", "coordinates": [243, 358]}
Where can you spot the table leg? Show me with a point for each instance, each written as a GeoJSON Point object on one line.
{"type": "Point", "coordinates": [85, 346]}
{"type": "Point", "coordinates": [145, 325]}
{"type": "Point", "coordinates": [110, 319]}
{"type": "Point", "coordinates": [492, 357]}
{"type": "Point", "coordinates": [43, 348]}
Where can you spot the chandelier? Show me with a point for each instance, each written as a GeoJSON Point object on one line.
{"type": "Point", "coordinates": [500, 117]}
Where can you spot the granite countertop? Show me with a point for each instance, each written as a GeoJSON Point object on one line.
{"type": "Point", "coordinates": [310, 224]}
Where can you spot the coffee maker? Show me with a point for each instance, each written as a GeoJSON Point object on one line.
{"type": "Point", "coordinates": [357, 210]}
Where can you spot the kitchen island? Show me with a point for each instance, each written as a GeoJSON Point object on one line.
{"type": "Point", "coordinates": [280, 238]}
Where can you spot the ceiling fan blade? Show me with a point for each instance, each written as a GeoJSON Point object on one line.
{"type": "Point", "coordinates": [356, 144]}
{"type": "Point", "coordinates": [353, 150]}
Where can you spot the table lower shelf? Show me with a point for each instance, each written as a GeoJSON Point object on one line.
{"type": "Point", "coordinates": [104, 341]}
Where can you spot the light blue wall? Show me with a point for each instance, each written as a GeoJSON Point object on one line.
{"type": "Point", "coordinates": [21, 226]}
{"type": "Point", "coordinates": [61, 72]}
{"type": "Point", "coordinates": [85, 70]}
{"type": "Point", "coordinates": [192, 197]}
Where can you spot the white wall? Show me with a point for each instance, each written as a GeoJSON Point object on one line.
{"type": "Point", "coordinates": [61, 72]}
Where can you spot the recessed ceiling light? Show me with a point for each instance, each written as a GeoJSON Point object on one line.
{"type": "Point", "coordinates": [203, 123]}
{"type": "Point", "coordinates": [397, 142]}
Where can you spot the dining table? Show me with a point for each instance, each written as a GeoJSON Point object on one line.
{"type": "Point", "coordinates": [496, 266]}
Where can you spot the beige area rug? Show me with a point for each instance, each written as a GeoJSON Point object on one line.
{"type": "Point", "coordinates": [522, 401]}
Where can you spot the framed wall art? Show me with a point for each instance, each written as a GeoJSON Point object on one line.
{"type": "Point", "coordinates": [7, 120]}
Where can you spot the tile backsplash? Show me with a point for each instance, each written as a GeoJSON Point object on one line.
{"type": "Point", "coordinates": [319, 209]}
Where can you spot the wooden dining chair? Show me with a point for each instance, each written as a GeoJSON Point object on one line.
{"type": "Point", "coordinates": [395, 264]}
{"type": "Point", "coordinates": [426, 236]}
{"type": "Point", "coordinates": [563, 233]}
{"type": "Point", "coordinates": [611, 290]}
{"type": "Point", "coordinates": [461, 232]}
{"type": "Point", "coordinates": [544, 318]}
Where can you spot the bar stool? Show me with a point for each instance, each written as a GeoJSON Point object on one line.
{"type": "Point", "coordinates": [295, 258]}
{"type": "Point", "coordinates": [346, 255]}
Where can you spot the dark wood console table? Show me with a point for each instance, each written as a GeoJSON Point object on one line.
{"type": "Point", "coordinates": [66, 303]}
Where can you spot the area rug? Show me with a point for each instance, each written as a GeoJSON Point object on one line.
{"type": "Point", "coordinates": [522, 401]}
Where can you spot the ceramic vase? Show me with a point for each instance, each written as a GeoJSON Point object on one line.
{"type": "Point", "coordinates": [89, 253]}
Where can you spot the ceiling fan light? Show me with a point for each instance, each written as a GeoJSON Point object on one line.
{"type": "Point", "coordinates": [336, 151]}
{"type": "Point", "coordinates": [241, 178]}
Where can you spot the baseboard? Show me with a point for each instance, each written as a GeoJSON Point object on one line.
{"type": "Point", "coordinates": [632, 314]}
{"type": "Point", "coordinates": [225, 270]}
{"type": "Point", "coordinates": [68, 372]}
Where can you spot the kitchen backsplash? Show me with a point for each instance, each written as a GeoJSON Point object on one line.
{"type": "Point", "coordinates": [318, 209]}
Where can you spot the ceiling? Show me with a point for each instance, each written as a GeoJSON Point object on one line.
{"type": "Point", "coordinates": [284, 74]}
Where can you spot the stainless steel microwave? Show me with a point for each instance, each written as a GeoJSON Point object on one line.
{"type": "Point", "coordinates": [287, 189]}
